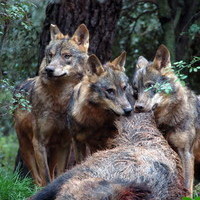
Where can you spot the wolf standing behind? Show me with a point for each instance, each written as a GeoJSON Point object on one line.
{"type": "Point", "coordinates": [177, 112]}
{"type": "Point", "coordinates": [45, 145]}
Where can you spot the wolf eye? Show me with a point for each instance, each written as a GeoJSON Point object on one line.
{"type": "Point", "coordinates": [67, 56]}
{"type": "Point", "coordinates": [149, 84]}
{"type": "Point", "coordinates": [50, 55]}
{"type": "Point", "coordinates": [110, 91]}
{"type": "Point", "coordinates": [124, 87]}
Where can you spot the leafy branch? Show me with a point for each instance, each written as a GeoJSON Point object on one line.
{"type": "Point", "coordinates": [164, 87]}
{"type": "Point", "coordinates": [19, 100]}
{"type": "Point", "coordinates": [177, 68]}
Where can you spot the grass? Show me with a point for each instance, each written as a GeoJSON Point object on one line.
{"type": "Point", "coordinates": [14, 188]}
{"type": "Point", "coordinates": [8, 151]}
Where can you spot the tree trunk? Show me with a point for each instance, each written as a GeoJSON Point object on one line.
{"type": "Point", "coordinates": [175, 18]}
{"type": "Point", "coordinates": [167, 22]}
{"type": "Point", "coordinates": [187, 17]}
{"type": "Point", "coordinates": [100, 16]}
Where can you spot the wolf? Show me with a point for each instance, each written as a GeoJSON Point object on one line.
{"type": "Point", "coordinates": [97, 100]}
{"type": "Point", "coordinates": [44, 143]}
{"type": "Point", "coordinates": [177, 111]}
{"type": "Point", "coordinates": [140, 156]}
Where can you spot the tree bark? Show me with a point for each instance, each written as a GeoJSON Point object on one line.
{"type": "Point", "coordinates": [175, 18]}
{"type": "Point", "coordinates": [183, 40]}
{"type": "Point", "coordinates": [100, 16]}
{"type": "Point", "coordinates": [167, 22]}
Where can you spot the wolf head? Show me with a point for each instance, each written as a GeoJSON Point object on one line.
{"type": "Point", "coordinates": [154, 82]}
{"type": "Point", "coordinates": [108, 85]}
{"type": "Point", "coordinates": [65, 56]}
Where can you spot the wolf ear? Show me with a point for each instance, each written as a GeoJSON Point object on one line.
{"type": "Point", "coordinates": [94, 65]}
{"type": "Point", "coordinates": [141, 62]}
{"type": "Point", "coordinates": [162, 57]}
{"type": "Point", "coordinates": [119, 62]}
{"type": "Point", "coordinates": [55, 33]}
{"type": "Point", "coordinates": [81, 36]}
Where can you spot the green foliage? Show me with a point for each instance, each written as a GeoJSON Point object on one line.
{"type": "Point", "coordinates": [182, 68]}
{"type": "Point", "coordinates": [182, 65]}
{"type": "Point", "coordinates": [178, 68]}
{"type": "Point", "coordinates": [20, 99]}
{"type": "Point", "coordinates": [8, 149]}
{"type": "Point", "coordinates": [8, 103]}
{"type": "Point", "coordinates": [6, 98]}
{"type": "Point", "coordinates": [188, 198]}
{"type": "Point", "coordinates": [196, 192]}
{"type": "Point", "coordinates": [164, 87]}
{"type": "Point", "coordinates": [21, 23]}
{"type": "Point", "coordinates": [20, 27]}
{"type": "Point", "coordinates": [14, 188]}
{"type": "Point", "coordinates": [16, 10]}
{"type": "Point", "coordinates": [138, 32]}
{"type": "Point", "coordinates": [194, 30]}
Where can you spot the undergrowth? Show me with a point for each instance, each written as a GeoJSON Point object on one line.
{"type": "Point", "coordinates": [12, 187]}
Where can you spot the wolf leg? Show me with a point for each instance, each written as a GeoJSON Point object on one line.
{"type": "Point", "coordinates": [183, 141]}
{"type": "Point", "coordinates": [29, 159]}
{"type": "Point", "coordinates": [27, 152]}
{"type": "Point", "coordinates": [80, 150]}
{"type": "Point", "coordinates": [62, 157]}
{"type": "Point", "coordinates": [41, 160]}
{"type": "Point", "coordinates": [188, 168]}
{"type": "Point", "coordinates": [52, 162]}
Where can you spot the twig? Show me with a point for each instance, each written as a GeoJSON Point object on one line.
{"type": "Point", "coordinates": [191, 20]}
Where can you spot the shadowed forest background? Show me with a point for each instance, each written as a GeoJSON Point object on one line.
{"type": "Point", "coordinates": [136, 26]}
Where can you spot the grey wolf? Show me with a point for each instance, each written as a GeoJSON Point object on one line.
{"type": "Point", "coordinates": [44, 145]}
{"type": "Point", "coordinates": [177, 112]}
{"type": "Point", "coordinates": [95, 104]}
{"type": "Point", "coordinates": [141, 156]}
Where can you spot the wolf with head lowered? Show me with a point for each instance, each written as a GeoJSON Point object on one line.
{"type": "Point", "coordinates": [102, 96]}
{"type": "Point", "coordinates": [176, 108]}
{"type": "Point", "coordinates": [42, 133]}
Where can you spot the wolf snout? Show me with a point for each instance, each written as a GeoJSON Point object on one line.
{"type": "Point", "coordinates": [139, 107]}
{"type": "Point", "coordinates": [50, 70]}
{"type": "Point", "coordinates": [127, 110]}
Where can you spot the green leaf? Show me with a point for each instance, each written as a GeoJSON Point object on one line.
{"type": "Point", "coordinates": [195, 70]}
{"type": "Point", "coordinates": [147, 89]}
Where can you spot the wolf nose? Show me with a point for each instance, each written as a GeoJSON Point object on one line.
{"type": "Point", "coordinates": [127, 111]}
{"type": "Point", "coordinates": [50, 70]}
{"type": "Point", "coordinates": [139, 107]}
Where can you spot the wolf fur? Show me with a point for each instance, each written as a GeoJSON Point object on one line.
{"type": "Point", "coordinates": [95, 104]}
{"type": "Point", "coordinates": [177, 114]}
{"type": "Point", "coordinates": [44, 145]}
{"type": "Point", "coordinates": [141, 156]}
